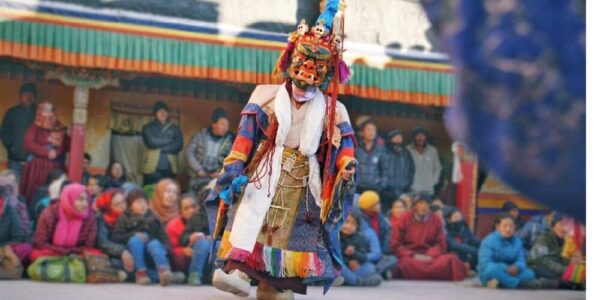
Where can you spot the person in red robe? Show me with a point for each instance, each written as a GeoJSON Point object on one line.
{"type": "Point", "coordinates": [419, 242]}
{"type": "Point", "coordinates": [47, 142]}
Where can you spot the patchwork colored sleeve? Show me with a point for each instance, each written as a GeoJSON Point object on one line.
{"type": "Point", "coordinates": [252, 126]}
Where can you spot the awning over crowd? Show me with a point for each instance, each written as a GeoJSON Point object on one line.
{"type": "Point", "coordinates": [126, 41]}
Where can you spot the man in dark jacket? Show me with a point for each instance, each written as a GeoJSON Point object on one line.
{"type": "Point", "coordinates": [399, 170]}
{"type": "Point", "coordinates": [370, 156]}
{"type": "Point", "coordinates": [14, 125]}
{"type": "Point", "coordinates": [163, 141]}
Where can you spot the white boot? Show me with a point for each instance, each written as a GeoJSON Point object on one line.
{"type": "Point", "coordinates": [236, 282]}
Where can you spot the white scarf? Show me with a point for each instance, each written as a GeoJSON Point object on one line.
{"type": "Point", "coordinates": [256, 202]}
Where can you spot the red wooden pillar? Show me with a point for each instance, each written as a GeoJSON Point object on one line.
{"type": "Point", "coordinates": [81, 97]}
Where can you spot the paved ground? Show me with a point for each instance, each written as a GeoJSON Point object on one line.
{"type": "Point", "coordinates": [405, 290]}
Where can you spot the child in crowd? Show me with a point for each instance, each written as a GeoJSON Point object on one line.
{"type": "Point", "coordinates": [502, 259]}
{"type": "Point", "coordinates": [375, 226]}
{"type": "Point", "coordinates": [357, 270]}
{"type": "Point", "coordinates": [398, 208]}
{"type": "Point", "coordinates": [95, 184]}
{"type": "Point", "coordinates": [52, 191]}
{"type": "Point", "coordinates": [512, 209]}
{"type": "Point", "coordinates": [189, 235]}
{"type": "Point", "coordinates": [110, 205]}
{"type": "Point", "coordinates": [146, 240]}
{"type": "Point", "coordinates": [9, 190]}
{"type": "Point", "coordinates": [13, 249]}
{"type": "Point", "coordinates": [460, 238]}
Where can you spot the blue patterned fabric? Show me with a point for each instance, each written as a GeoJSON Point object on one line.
{"type": "Point", "coordinates": [261, 118]}
{"type": "Point", "coordinates": [305, 234]}
{"type": "Point", "coordinates": [520, 103]}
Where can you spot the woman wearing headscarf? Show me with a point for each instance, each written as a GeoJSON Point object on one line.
{"type": "Point", "coordinates": [66, 226]}
{"type": "Point", "coordinates": [164, 201]}
{"type": "Point", "coordinates": [9, 190]}
{"type": "Point", "coordinates": [48, 142]}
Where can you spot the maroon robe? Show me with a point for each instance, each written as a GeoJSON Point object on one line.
{"type": "Point", "coordinates": [36, 170]}
{"type": "Point", "coordinates": [410, 237]}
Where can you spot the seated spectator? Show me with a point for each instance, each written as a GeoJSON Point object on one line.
{"type": "Point", "coordinates": [116, 174]}
{"type": "Point", "coordinates": [110, 205]}
{"type": "Point", "coordinates": [357, 270]}
{"type": "Point", "coordinates": [190, 238]}
{"type": "Point", "coordinates": [445, 209]}
{"type": "Point", "coordinates": [460, 238]}
{"type": "Point", "coordinates": [67, 226]}
{"type": "Point", "coordinates": [370, 209]}
{"type": "Point", "coordinates": [41, 192]}
{"type": "Point", "coordinates": [408, 200]}
{"type": "Point", "coordinates": [95, 184]}
{"type": "Point", "coordinates": [147, 241]}
{"type": "Point", "coordinates": [436, 210]}
{"type": "Point", "coordinates": [372, 218]}
{"type": "Point", "coordinates": [502, 259]}
{"type": "Point", "coordinates": [9, 190]}
{"type": "Point", "coordinates": [419, 242]}
{"type": "Point", "coordinates": [52, 194]}
{"type": "Point", "coordinates": [398, 208]}
{"type": "Point", "coordinates": [164, 200]}
{"type": "Point", "coordinates": [512, 209]}
{"type": "Point", "coordinates": [545, 256]}
{"type": "Point", "coordinates": [47, 142]}
{"type": "Point", "coordinates": [208, 148]}
{"type": "Point", "coordinates": [13, 247]}
{"type": "Point", "coordinates": [534, 228]}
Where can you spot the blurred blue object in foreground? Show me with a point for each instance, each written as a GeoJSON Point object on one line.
{"type": "Point", "coordinates": [520, 101]}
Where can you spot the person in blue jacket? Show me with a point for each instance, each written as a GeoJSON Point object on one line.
{"type": "Point", "coordinates": [502, 260]}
